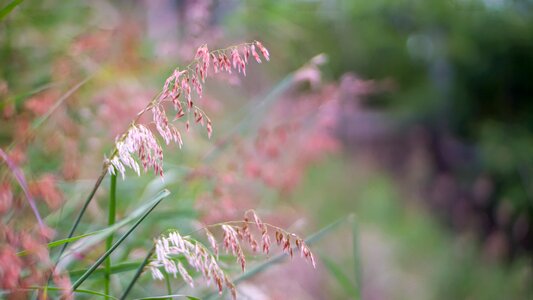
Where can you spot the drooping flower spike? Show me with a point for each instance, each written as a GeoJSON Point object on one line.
{"type": "Point", "coordinates": [170, 247]}
{"type": "Point", "coordinates": [139, 143]}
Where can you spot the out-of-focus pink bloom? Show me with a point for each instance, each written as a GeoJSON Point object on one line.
{"type": "Point", "coordinates": [46, 188]}
{"type": "Point", "coordinates": [6, 197]}
{"type": "Point", "coordinates": [41, 103]}
{"type": "Point", "coordinates": [62, 281]}
{"type": "Point", "coordinates": [11, 266]}
{"type": "Point", "coordinates": [19, 176]}
{"type": "Point", "coordinates": [35, 247]}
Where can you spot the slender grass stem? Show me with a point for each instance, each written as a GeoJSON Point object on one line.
{"type": "Point", "coordinates": [75, 225]}
{"type": "Point", "coordinates": [82, 211]}
{"type": "Point", "coordinates": [111, 221]}
{"type": "Point", "coordinates": [117, 243]}
{"type": "Point", "coordinates": [138, 273]}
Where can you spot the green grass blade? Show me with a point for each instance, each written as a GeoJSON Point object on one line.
{"type": "Point", "coordinates": [159, 198]}
{"type": "Point", "coordinates": [103, 234]}
{"type": "Point", "coordinates": [63, 241]}
{"type": "Point", "coordinates": [8, 8]}
{"type": "Point", "coordinates": [138, 273]}
{"type": "Point", "coordinates": [78, 291]}
{"type": "Point", "coordinates": [115, 269]}
{"type": "Point", "coordinates": [100, 233]}
{"type": "Point", "coordinates": [344, 281]}
{"type": "Point", "coordinates": [82, 212]}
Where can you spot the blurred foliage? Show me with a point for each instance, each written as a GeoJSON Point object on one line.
{"type": "Point", "coordinates": [459, 67]}
{"type": "Point", "coordinates": [34, 36]}
{"type": "Point", "coordinates": [461, 62]}
{"type": "Point", "coordinates": [422, 260]}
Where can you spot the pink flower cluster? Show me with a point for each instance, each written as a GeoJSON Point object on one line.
{"type": "Point", "coordinates": [177, 90]}
{"type": "Point", "coordinates": [46, 188]}
{"type": "Point", "coordinates": [24, 255]}
{"type": "Point", "coordinates": [138, 139]}
{"type": "Point", "coordinates": [172, 246]}
{"type": "Point", "coordinates": [20, 272]}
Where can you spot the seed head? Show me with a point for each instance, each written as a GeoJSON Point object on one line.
{"type": "Point", "coordinates": [177, 89]}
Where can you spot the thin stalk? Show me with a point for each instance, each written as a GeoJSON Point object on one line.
{"type": "Point", "coordinates": [82, 212]}
{"type": "Point", "coordinates": [138, 273]}
{"type": "Point", "coordinates": [74, 226]}
{"type": "Point", "coordinates": [116, 244]}
{"type": "Point", "coordinates": [54, 288]}
{"type": "Point", "coordinates": [58, 103]}
{"type": "Point", "coordinates": [111, 221]}
{"type": "Point", "coordinates": [19, 176]}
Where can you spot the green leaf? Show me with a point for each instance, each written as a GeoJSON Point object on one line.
{"type": "Point", "coordinates": [118, 268]}
{"type": "Point", "coordinates": [8, 8]}
{"type": "Point", "coordinates": [63, 241]}
{"type": "Point", "coordinates": [343, 280]}
{"type": "Point", "coordinates": [81, 213]}
{"type": "Point", "coordinates": [78, 291]}
{"type": "Point", "coordinates": [104, 233]}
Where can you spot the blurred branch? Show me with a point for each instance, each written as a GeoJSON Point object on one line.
{"type": "Point", "coordinates": [52, 109]}
{"type": "Point", "coordinates": [23, 184]}
{"type": "Point", "coordinates": [40, 121]}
